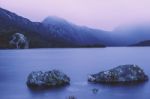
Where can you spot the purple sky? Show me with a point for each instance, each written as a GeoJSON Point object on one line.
{"type": "Point", "coordinates": [102, 14]}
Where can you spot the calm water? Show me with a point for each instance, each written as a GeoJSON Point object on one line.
{"type": "Point", "coordinates": [15, 65]}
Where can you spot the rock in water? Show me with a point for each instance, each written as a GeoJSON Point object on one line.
{"type": "Point", "coordinates": [47, 79]}
{"type": "Point", "coordinates": [18, 41]}
{"type": "Point", "coordinates": [120, 74]}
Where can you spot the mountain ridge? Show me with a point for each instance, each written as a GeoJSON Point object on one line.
{"type": "Point", "coordinates": [57, 32]}
{"type": "Point", "coordinates": [35, 31]}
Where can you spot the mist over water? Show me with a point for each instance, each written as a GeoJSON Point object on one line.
{"type": "Point", "coordinates": [73, 23]}
{"type": "Point", "coordinates": [15, 65]}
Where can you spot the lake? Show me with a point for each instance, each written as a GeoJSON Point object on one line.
{"type": "Point", "coordinates": [77, 63]}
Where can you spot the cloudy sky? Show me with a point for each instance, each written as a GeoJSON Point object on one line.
{"type": "Point", "coordinates": [102, 14]}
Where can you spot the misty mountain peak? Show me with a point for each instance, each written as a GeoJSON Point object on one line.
{"type": "Point", "coordinates": [54, 20]}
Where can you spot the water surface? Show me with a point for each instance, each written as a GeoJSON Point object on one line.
{"type": "Point", "coordinates": [15, 65]}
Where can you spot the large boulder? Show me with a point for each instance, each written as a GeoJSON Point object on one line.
{"type": "Point", "coordinates": [120, 74]}
{"type": "Point", "coordinates": [18, 41]}
{"type": "Point", "coordinates": [47, 79]}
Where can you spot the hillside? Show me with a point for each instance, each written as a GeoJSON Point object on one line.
{"type": "Point", "coordinates": [43, 35]}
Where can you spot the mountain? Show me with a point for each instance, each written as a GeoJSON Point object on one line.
{"type": "Point", "coordinates": [57, 32]}
{"type": "Point", "coordinates": [143, 43]}
{"type": "Point", "coordinates": [11, 23]}
{"type": "Point", "coordinates": [131, 34]}
{"type": "Point", "coordinates": [79, 35]}
{"type": "Point", "coordinates": [52, 32]}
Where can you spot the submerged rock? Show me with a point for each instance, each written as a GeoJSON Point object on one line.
{"type": "Point", "coordinates": [120, 74]}
{"type": "Point", "coordinates": [52, 78]}
{"type": "Point", "coordinates": [18, 41]}
{"type": "Point", "coordinates": [71, 97]}
{"type": "Point", "coordinates": [95, 90]}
